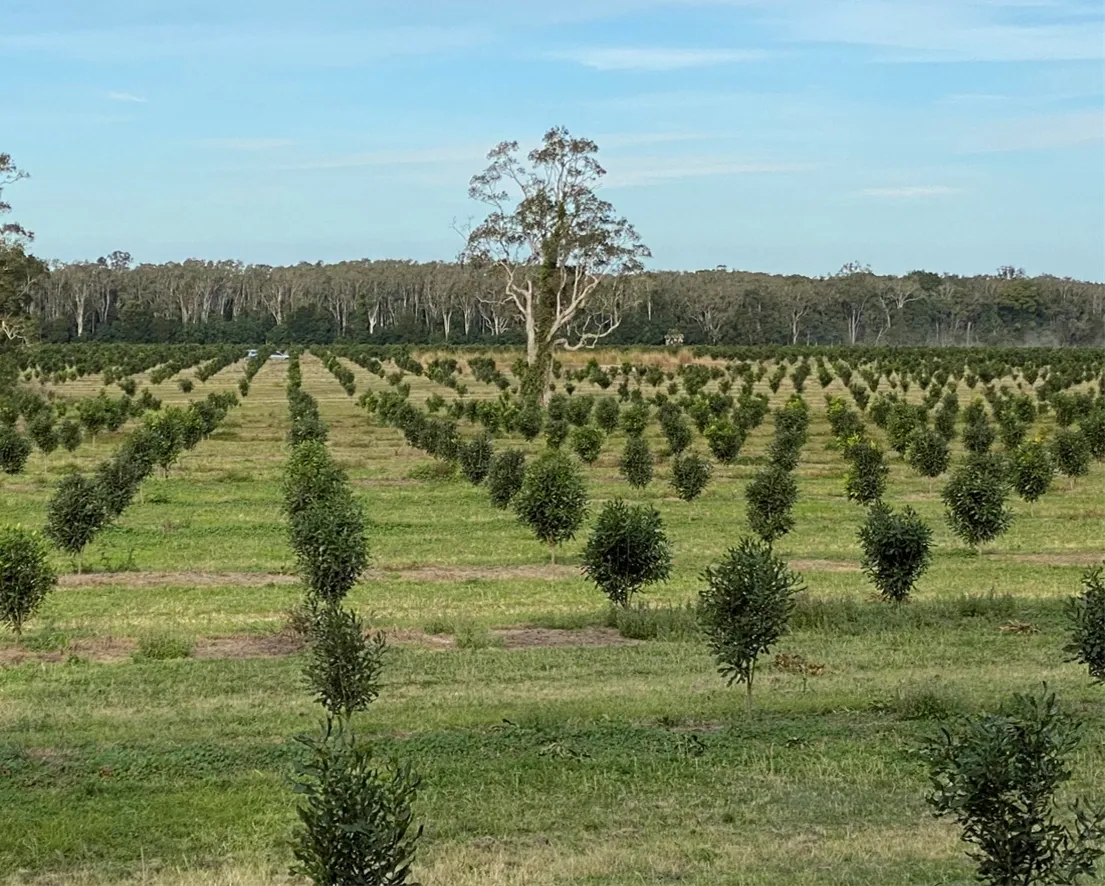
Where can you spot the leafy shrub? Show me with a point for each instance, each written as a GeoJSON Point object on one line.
{"type": "Point", "coordinates": [587, 443]}
{"type": "Point", "coordinates": [530, 420]}
{"type": "Point", "coordinates": [928, 453]}
{"type": "Point", "coordinates": [770, 495]}
{"type": "Point", "coordinates": [607, 413]}
{"type": "Point", "coordinates": [186, 385]}
{"type": "Point", "coordinates": [475, 458]}
{"type": "Point", "coordinates": [791, 427]}
{"type": "Point", "coordinates": [1033, 470]}
{"type": "Point", "coordinates": [310, 475]}
{"type": "Point", "coordinates": [1086, 614]}
{"type": "Point", "coordinates": [627, 550]}
{"type": "Point", "coordinates": [865, 481]}
{"type": "Point", "coordinates": [636, 462]}
{"type": "Point", "coordinates": [689, 475]}
{"type": "Point", "coordinates": [578, 411]}
{"type": "Point", "coordinates": [896, 550]}
{"type": "Point", "coordinates": [505, 476]}
{"type": "Point", "coordinates": [356, 824]}
{"type": "Point", "coordinates": [725, 440]}
{"type": "Point", "coordinates": [26, 576]}
{"type": "Point", "coordinates": [1071, 450]}
{"type": "Point", "coordinates": [552, 500]}
{"type": "Point", "coordinates": [69, 435]}
{"type": "Point", "coordinates": [1092, 426]}
{"type": "Point", "coordinates": [556, 432]}
{"type": "Point", "coordinates": [745, 607]}
{"type": "Point", "coordinates": [343, 664]}
{"type": "Point", "coordinates": [328, 537]}
{"type": "Point", "coordinates": [978, 433]}
{"type": "Point", "coordinates": [634, 419]}
{"type": "Point", "coordinates": [75, 514]}
{"type": "Point", "coordinates": [997, 774]}
{"type": "Point", "coordinates": [15, 449]}
{"type": "Point", "coordinates": [974, 500]}
{"type": "Point", "coordinates": [844, 422]}
{"type": "Point", "coordinates": [676, 430]}
{"type": "Point", "coordinates": [41, 431]}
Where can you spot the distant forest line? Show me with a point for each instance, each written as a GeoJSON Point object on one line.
{"type": "Point", "coordinates": [404, 302]}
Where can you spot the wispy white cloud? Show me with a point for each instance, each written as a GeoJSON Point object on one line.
{"type": "Point", "coordinates": [910, 192]}
{"type": "Point", "coordinates": [290, 46]}
{"type": "Point", "coordinates": [1037, 132]}
{"type": "Point", "coordinates": [626, 58]}
{"type": "Point", "coordinates": [950, 30]}
{"type": "Point", "coordinates": [249, 144]}
{"type": "Point", "coordinates": [126, 97]}
{"type": "Point", "coordinates": [637, 171]}
{"type": "Point", "coordinates": [412, 157]}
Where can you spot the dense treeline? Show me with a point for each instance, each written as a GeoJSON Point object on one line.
{"type": "Point", "coordinates": [406, 302]}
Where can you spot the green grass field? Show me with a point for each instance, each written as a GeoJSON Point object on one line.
{"type": "Point", "coordinates": [551, 748]}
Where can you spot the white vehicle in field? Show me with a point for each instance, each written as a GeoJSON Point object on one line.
{"type": "Point", "coordinates": [278, 356]}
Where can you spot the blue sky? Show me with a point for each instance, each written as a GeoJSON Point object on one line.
{"type": "Point", "coordinates": [779, 135]}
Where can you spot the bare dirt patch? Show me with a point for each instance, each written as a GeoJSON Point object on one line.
{"type": "Point", "coordinates": [528, 638]}
{"type": "Point", "coordinates": [174, 579]}
{"type": "Point", "coordinates": [102, 650]}
{"type": "Point", "coordinates": [546, 572]}
{"type": "Point", "coordinates": [824, 566]}
{"type": "Point", "coordinates": [248, 646]}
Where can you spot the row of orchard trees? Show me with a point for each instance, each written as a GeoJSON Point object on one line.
{"type": "Point", "coordinates": [356, 823]}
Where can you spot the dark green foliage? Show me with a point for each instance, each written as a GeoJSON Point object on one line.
{"type": "Point", "coordinates": [634, 419]}
{"type": "Point", "coordinates": [119, 478]}
{"type": "Point", "coordinates": [770, 495]}
{"type": "Point", "coordinates": [607, 413]}
{"type": "Point", "coordinates": [530, 420]}
{"type": "Point", "coordinates": [578, 411]}
{"type": "Point", "coordinates": [844, 421]}
{"type": "Point", "coordinates": [865, 481]}
{"type": "Point", "coordinates": [186, 385]}
{"type": "Point", "coordinates": [15, 449]}
{"type": "Point", "coordinates": [725, 440]}
{"type": "Point", "coordinates": [689, 475]}
{"type": "Point", "coordinates": [356, 825]}
{"type": "Point", "coordinates": [1033, 470]}
{"type": "Point", "coordinates": [475, 458]}
{"type": "Point", "coordinates": [69, 435]}
{"type": "Point", "coordinates": [75, 514]}
{"type": "Point", "coordinates": [556, 432]}
{"type": "Point", "coordinates": [974, 499]}
{"type": "Point", "coordinates": [328, 537]}
{"type": "Point", "coordinates": [901, 423]}
{"type": "Point", "coordinates": [552, 500]}
{"type": "Point", "coordinates": [310, 475]}
{"type": "Point", "coordinates": [745, 607]}
{"type": "Point", "coordinates": [997, 774]}
{"type": "Point", "coordinates": [42, 432]}
{"type": "Point", "coordinates": [675, 428]}
{"type": "Point", "coordinates": [928, 453]}
{"type": "Point", "coordinates": [343, 664]}
{"type": "Point", "coordinates": [636, 463]}
{"type": "Point", "coordinates": [587, 443]}
{"type": "Point", "coordinates": [1086, 614]}
{"type": "Point", "coordinates": [504, 477]}
{"type": "Point", "coordinates": [791, 427]}
{"type": "Point", "coordinates": [1092, 426]}
{"type": "Point", "coordinates": [978, 433]}
{"type": "Point", "coordinates": [627, 550]}
{"type": "Point", "coordinates": [896, 550]}
{"type": "Point", "coordinates": [945, 416]}
{"type": "Point", "coordinates": [1071, 450]}
{"type": "Point", "coordinates": [26, 576]}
